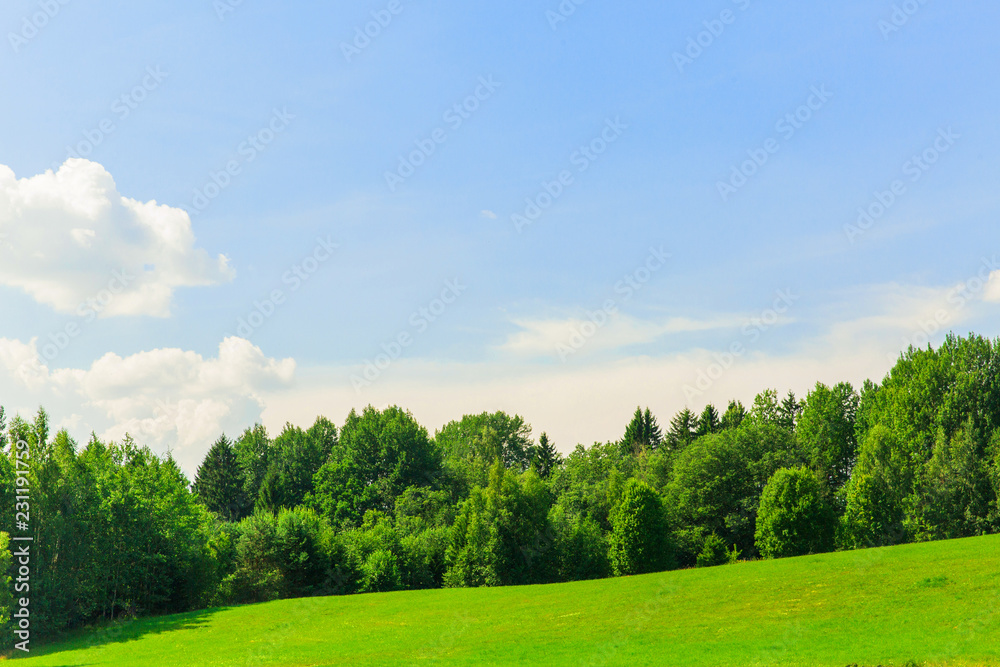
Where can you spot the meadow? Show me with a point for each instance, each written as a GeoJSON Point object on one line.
{"type": "Point", "coordinates": [925, 604]}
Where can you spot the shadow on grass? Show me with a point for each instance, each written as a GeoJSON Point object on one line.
{"type": "Point", "coordinates": [119, 632]}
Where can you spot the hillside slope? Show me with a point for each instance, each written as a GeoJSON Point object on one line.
{"type": "Point", "coordinates": [936, 604]}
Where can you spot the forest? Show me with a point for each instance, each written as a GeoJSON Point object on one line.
{"type": "Point", "coordinates": [379, 504]}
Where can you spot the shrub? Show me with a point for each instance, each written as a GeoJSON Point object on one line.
{"type": "Point", "coordinates": [795, 516]}
{"type": "Point", "coordinates": [714, 552]}
{"type": "Point", "coordinates": [638, 541]}
{"type": "Point", "coordinates": [380, 573]}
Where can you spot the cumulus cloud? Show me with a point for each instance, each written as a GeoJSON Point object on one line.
{"type": "Point", "coordinates": [72, 242]}
{"type": "Point", "coordinates": [166, 398]}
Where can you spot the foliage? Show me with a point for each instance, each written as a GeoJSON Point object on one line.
{"type": "Point", "coordinates": [6, 589]}
{"type": "Point", "coordinates": [295, 457]}
{"type": "Point", "coordinates": [826, 431]}
{"type": "Point", "coordinates": [545, 457]}
{"type": "Point", "coordinates": [488, 437]}
{"type": "Point", "coordinates": [377, 505]}
{"type": "Point", "coordinates": [709, 422]}
{"type": "Point", "coordinates": [716, 485]}
{"type": "Point", "coordinates": [639, 542]}
{"type": "Point", "coordinates": [219, 482]}
{"type": "Point", "coordinates": [642, 434]}
{"type": "Point", "coordinates": [713, 552]}
{"type": "Point", "coordinates": [734, 416]}
{"type": "Point", "coordinates": [379, 455]}
{"type": "Point", "coordinates": [495, 540]}
{"type": "Point", "coordinates": [795, 516]}
{"type": "Point", "coordinates": [683, 428]}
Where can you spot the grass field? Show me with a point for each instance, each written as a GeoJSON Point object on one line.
{"type": "Point", "coordinates": [934, 604]}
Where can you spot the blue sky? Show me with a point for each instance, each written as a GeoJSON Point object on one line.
{"type": "Point", "coordinates": [309, 124]}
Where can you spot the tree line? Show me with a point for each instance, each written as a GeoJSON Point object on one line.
{"type": "Point", "coordinates": [378, 504]}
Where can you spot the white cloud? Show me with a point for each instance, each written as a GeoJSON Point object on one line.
{"type": "Point", "coordinates": [489, 215]}
{"type": "Point", "coordinates": [164, 398]}
{"type": "Point", "coordinates": [70, 237]}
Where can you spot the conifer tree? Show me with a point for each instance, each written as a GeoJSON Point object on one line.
{"type": "Point", "coordinates": [219, 482]}
{"type": "Point", "coordinates": [709, 421]}
{"type": "Point", "coordinates": [683, 429]}
{"type": "Point", "coordinates": [546, 458]}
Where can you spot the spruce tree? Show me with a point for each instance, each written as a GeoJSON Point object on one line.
{"type": "Point", "coordinates": [651, 431]}
{"type": "Point", "coordinates": [219, 482]}
{"type": "Point", "coordinates": [790, 411]}
{"type": "Point", "coordinates": [642, 433]}
{"type": "Point", "coordinates": [709, 421]}
{"type": "Point", "coordinates": [546, 458]}
{"type": "Point", "coordinates": [683, 428]}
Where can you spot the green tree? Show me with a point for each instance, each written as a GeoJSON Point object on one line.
{"type": "Point", "coordinates": [683, 428]}
{"type": "Point", "coordinates": [546, 458]}
{"type": "Point", "coordinates": [709, 422]}
{"type": "Point", "coordinates": [714, 552]}
{"type": "Point", "coordinates": [590, 481]}
{"type": "Point", "coordinates": [734, 416]}
{"type": "Point", "coordinates": [639, 542]}
{"type": "Point", "coordinates": [253, 454]}
{"type": "Point", "coordinates": [953, 496]}
{"type": "Point", "coordinates": [876, 494]}
{"type": "Point", "coordinates": [795, 516]}
{"type": "Point", "coordinates": [295, 458]}
{"type": "Point", "coordinates": [380, 453]}
{"type": "Point", "coordinates": [219, 482]}
{"type": "Point", "coordinates": [642, 433]}
{"type": "Point", "coordinates": [299, 549]}
{"type": "Point", "coordinates": [766, 410]}
{"type": "Point", "coordinates": [496, 538]}
{"type": "Point", "coordinates": [826, 430]}
{"type": "Point", "coordinates": [488, 436]}
{"type": "Point", "coordinates": [789, 411]}
{"type": "Point", "coordinates": [580, 546]}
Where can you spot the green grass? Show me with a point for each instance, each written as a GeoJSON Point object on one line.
{"type": "Point", "coordinates": [935, 604]}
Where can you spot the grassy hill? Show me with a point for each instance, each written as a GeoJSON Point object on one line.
{"type": "Point", "coordinates": [934, 604]}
